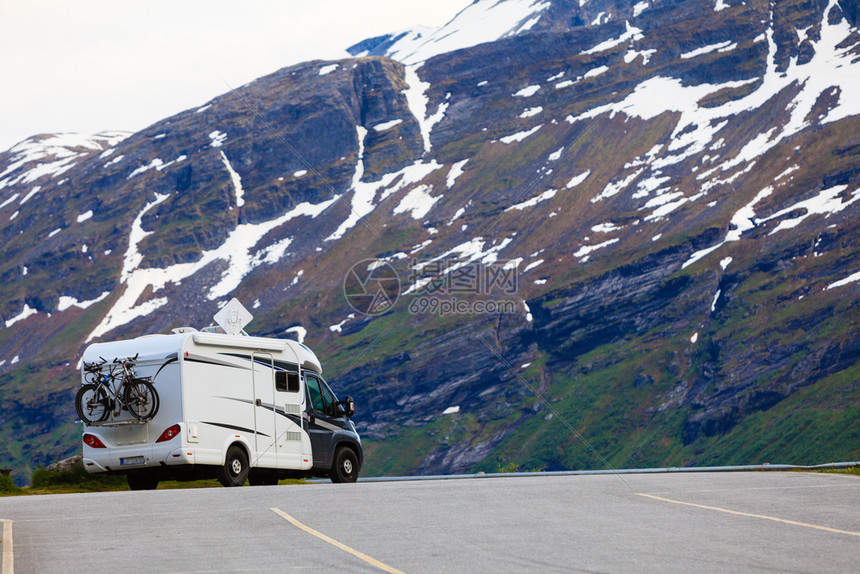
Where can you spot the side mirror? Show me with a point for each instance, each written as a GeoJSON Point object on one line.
{"type": "Point", "coordinates": [346, 407]}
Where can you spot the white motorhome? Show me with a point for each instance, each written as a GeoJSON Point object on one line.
{"type": "Point", "coordinates": [232, 407]}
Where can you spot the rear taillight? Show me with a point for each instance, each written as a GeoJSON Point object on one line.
{"type": "Point", "coordinates": [93, 441]}
{"type": "Point", "coordinates": [169, 433]}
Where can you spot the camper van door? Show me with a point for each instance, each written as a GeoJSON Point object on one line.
{"type": "Point", "coordinates": [263, 368]}
{"type": "Point", "coordinates": [323, 425]}
{"type": "Point", "coordinates": [288, 418]}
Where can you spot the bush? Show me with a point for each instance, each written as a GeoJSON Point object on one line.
{"type": "Point", "coordinates": [7, 486]}
{"type": "Point", "coordinates": [510, 467]}
{"type": "Point", "coordinates": [43, 477]}
{"type": "Point", "coordinates": [74, 475]}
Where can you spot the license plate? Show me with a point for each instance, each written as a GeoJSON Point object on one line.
{"type": "Point", "coordinates": [131, 460]}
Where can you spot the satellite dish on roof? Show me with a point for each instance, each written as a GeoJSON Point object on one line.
{"type": "Point", "coordinates": [233, 317]}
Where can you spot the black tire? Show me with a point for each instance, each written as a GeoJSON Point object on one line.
{"type": "Point", "coordinates": [141, 399]}
{"type": "Point", "coordinates": [235, 469]}
{"type": "Point", "coordinates": [262, 477]}
{"type": "Point", "coordinates": [141, 481]}
{"type": "Point", "coordinates": [345, 468]}
{"type": "Point", "coordinates": [92, 404]}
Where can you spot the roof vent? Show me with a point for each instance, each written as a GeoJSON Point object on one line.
{"type": "Point", "coordinates": [181, 330]}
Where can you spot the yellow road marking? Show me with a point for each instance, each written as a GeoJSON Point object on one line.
{"type": "Point", "coordinates": [8, 564]}
{"type": "Point", "coordinates": [762, 516]}
{"type": "Point", "coordinates": [333, 542]}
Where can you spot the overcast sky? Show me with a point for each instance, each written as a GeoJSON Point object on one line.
{"type": "Point", "coordinates": [94, 65]}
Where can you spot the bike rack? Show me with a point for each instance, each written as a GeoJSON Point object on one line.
{"type": "Point", "coordinates": [117, 423]}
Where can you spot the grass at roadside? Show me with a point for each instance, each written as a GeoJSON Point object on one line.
{"type": "Point", "coordinates": [853, 470]}
{"type": "Point", "coordinates": [115, 486]}
{"type": "Point", "coordinates": [76, 479]}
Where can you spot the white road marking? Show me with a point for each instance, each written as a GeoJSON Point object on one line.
{"type": "Point", "coordinates": [333, 542]}
{"type": "Point", "coordinates": [8, 564]}
{"type": "Point", "coordinates": [750, 515]}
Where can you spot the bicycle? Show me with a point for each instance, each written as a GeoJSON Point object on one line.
{"type": "Point", "coordinates": [107, 394]}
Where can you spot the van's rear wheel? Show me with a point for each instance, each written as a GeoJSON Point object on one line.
{"type": "Point", "coordinates": [235, 469]}
{"type": "Point", "coordinates": [345, 467]}
{"type": "Point", "coordinates": [141, 481]}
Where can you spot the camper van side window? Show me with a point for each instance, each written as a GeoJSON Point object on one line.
{"type": "Point", "coordinates": [286, 382]}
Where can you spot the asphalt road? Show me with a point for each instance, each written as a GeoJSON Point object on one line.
{"type": "Point", "coordinates": [710, 522]}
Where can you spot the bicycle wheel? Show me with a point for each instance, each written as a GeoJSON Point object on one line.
{"type": "Point", "coordinates": [92, 403]}
{"type": "Point", "coordinates": [141, 399]}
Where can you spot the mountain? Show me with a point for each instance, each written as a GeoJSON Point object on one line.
{"type": "Point", "coordinates": [624, 232]}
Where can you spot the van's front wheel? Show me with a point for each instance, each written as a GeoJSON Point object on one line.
{"type": "Point", "coordinates": [345, 467]}
{"type": "Point", "coordinates": [235, 469]}
{"type": "Point", "coordinates": [262, 478]}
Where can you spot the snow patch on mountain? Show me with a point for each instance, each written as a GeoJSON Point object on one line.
{"type": "Point", "coordinates": [527, 92]}
{"type": "Point", "coordinates": [719, 47]}
{"type": "Point", "coordinates": [548, 194]}
{"type": "Point", "coordinates": [217, 138]}
{"type": "Point", "coordinates": [300, 332]}
{"type": "Point", "coordinates": [51, 156]}
{"type": "Point", "coordinates": [842, 282]}
{"type": "Point", "coordinates": [631, 56]}
{"type": "Point", "coordinates": [26, 312]}
{"type": "Point", "coordinates": [455, 172]}
{"type": "Point", "coordinates": [520, 136]}
{"type": "Point", "coordinates": [236, 179]}
{"type": "Point", "coordinates": [33, 191]}
{"type": "Point", "coordinates": [742, 221]}
{"type": "Point", "coordinates": [155, 163]}
{"type": "Point", "coordinates": [826, 203]}
{"type": "Point", "coordinates": [594, 72]}
{"type": "Point", "coordinates": [640, 7]}
{"type": "Point", "coordinates": [364, 193]}
{"type": "Point", "coordinates": [417, 202]}
{"type": "Point", "coordinates": [115, 160]}
{"type": "Point", "coordinates": [480, 22]}
{"type": "Point", "coordinates": [10, 199]}
{"type": "Point", "coordinates": [474, 250]}
{"type": "Point", "coordinates": [532, 265]}
{"type": "Point", "coordinates": [631, 34]}
{"type": "Point", "coordinates": [417, 99]}
{"type": "Point", "coordinates": [584, 252]}
{"type": "Point", "coordinates": [387, 125]}
{"type": "Point", "coordinates": [577, 179]}
{"type": "Point", "coordinates": [613, 188]}
{"type": "Point", "coordinates": [67, 302]}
